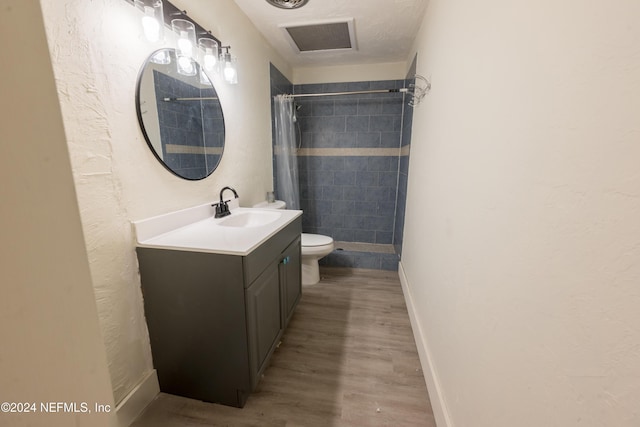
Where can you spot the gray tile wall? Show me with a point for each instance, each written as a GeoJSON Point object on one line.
{"type": "Point", "coordinates": [350, 197]}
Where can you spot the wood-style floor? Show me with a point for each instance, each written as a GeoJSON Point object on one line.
{"type": "Point", "coordinates": [348, 358]}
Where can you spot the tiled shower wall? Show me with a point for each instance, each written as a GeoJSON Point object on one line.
{"type": "Point", "coordinates": [348, 162]}
{"type": "Point", "coordinates": [185, 136]}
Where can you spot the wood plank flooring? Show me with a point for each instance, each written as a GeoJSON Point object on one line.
{"type": "Point", "coordinates": [348, 358]}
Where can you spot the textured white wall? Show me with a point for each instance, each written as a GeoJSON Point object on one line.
{"type": "Point", "coordinates": [522, 240]}
{"type": "Point", "coordinates": [97, 49]}
{"type": "Point", "coordinates": [50, 344]}
{"type": "Point", "coordinates": [349, 73]}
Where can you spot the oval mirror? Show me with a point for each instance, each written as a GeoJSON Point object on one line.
{"type": "Point", "coordinates": [180, 115]}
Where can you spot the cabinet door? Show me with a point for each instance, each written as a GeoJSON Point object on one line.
{"type": "Point", "coordinates": [263, 318]}
{"type": "Point", "coordinates": [291, 280]}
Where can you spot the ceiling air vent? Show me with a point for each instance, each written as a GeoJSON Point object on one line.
{"type": "Point", "coordinates": [287, 4]}
{"type": "Point", "coordinates": [321, 36]}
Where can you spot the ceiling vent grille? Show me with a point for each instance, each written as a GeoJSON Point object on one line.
{"type": "Point", "coordinates": [321, 36]}
{"type": "Point", "coordinates": [288, 4]}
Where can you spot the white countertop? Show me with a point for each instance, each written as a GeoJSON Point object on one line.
{"type": "Point", "coordinates": [196, 230]}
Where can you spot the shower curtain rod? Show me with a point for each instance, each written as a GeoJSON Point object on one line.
{"type": "Point", "coordinates": [357, 92]}
{"type": "Point", "coordinates": [204, 98]}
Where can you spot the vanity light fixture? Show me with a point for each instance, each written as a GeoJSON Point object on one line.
{"type": "Point", "coordinates": [152, 20]}
{"type": "Point", "coordinates": [185, 46]}
{"type": "Point", "coordinates": [208, 54]}
{"type": "Point", "coordinates": [186, 37]}
{"type": "Point", "coordinates": [229, 66]}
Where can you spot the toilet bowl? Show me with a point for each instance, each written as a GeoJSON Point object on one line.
{"type": "Point", "coordinates": [314, 247]}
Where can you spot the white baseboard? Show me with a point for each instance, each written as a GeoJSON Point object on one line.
{"type": "Point", "coordinates": [438, 404]}
{"type": "Point", "coordinates": [132, 406]}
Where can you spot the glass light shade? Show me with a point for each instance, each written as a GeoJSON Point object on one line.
{"type": "Point", "coordinates": [152, 20]}
{"type": "Point", "coordinates": [186, 33]}
{"type": "Point", "coordinates": [208, 54]}
{"type": "Point", "coordinates": [162, 57]}
{"type": "Point", "coordinates": [186, 66]}
{"type": "Point", "coordinates": [230, 69]}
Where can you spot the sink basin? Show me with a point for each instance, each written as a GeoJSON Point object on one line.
{"type": "Point", "coordinates": [250, 219]}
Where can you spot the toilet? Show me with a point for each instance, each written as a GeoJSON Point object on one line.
{"type": "Point", "coordinates": [314, 247]}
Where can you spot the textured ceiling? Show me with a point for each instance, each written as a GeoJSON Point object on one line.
{"type": "Point", "coordinates": [384, 29]}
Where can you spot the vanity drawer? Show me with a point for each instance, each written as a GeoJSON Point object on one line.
{"type": "Point", "coordinates": [258, 260]}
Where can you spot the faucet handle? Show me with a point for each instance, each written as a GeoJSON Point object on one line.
{"type": "Point", "coordinates": [222, 209]}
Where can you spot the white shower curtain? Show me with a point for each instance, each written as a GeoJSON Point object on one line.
{"type": "Point", "coordinates": [285, 153]}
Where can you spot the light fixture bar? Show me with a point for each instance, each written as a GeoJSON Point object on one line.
{"type": "Point", "coordinates": [171, 12]}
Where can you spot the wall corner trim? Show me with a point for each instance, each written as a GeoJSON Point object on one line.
{"type": "Point", "coordinates": [138, 399]}
{"type": "Point", "coordinates": [438, 404]}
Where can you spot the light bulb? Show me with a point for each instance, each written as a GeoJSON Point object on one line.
{"type": "Point", "coordinates": [230, 70]}
{"type": "Point", "coordinates": [208, 54]}
{"type": "Point", "coordinates": [184, 44]}
{"type": "Point", "coordinates": [150, 25]}
{"type": "Point", "coordinates": [210, 60]}
{"type": "Point", "coordinates": [186, 37]}
{"type": "Point", "coordinates": [186, 66]}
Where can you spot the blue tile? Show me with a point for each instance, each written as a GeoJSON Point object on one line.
{"type": "Point", "coordinates": [344, 139]}
{"type": "Point", "coordinates": [320, 178]}
{"type": "Point", "coordinates": [381, 123]}
{"type": "Point", "coordinates": [380, 163]}
{"type": "Point", "coordinates": [323, 108]}
{"type": "Point", "coordinates": [358, 124]}
{"type": "Point", "coordinates": [365, 236]}
{"type": "Point", "coordinates": [377, 194]}
{"type": "Point", "coordinates": [367, 260]}
{"type": "Point", "coordinates": [392, 106]}
{"type": "Point", "coordinates": [379, 223]}
{"type": "Point", "coordinates": [332, 221]}
{"type": "Point", "coordinates": [336, 87]}
{"type": "Point", "coordinates": [333, 163]}
{"type": "Point", "coordinates": [344, 178]}
{"type": "Point", "coordinates": [354, 222]}
{"type": "Point", "coordinates": [383, 84]}
{"type": "Point", "coordinates": [311, 193]}
{"type": "Point", "coordinates": [387, 209]}
{"type": "Point", "coordinates": [384, 237]}
{"type": "Point", "coordinates": [389, 262]}
{"type": "Point", "coordinates": [356, 163]}
{"type": "Point", "coordinates": [388, 179]}
{"type": "Point", "coordinates": [325, 124]}
{"type": "Point", "coordinates": [397, 123]}
{"type": "Point", "coordinates": [342, 207]}
{"type": "Point", "coordinates": [343, 235]}
{"type": "Point", "coordinates": [346, 107]}
{"type": "Point", "coordinates": [353, 86]}
{"type": "Point", "coordinates": [367, 179]}
{"type": "Point", "coordinates": [314, 162]}
{"type": "Point", "coordinates": [365, 208]}
{"type": "Point", "coordinates": [369, 107]}
{"type": "Point", "coordinates": [332, 193]}
{"type": "Point", "coordinates": [322, 140]}
{"type": "Point", "coordinates": [368, 139]}
{"type": "Point", "coordinates": [338, 259]}
{"type": "Point", "coordinates": [390, 139]}
{"type": "Point", "coordinates": [354, 193]}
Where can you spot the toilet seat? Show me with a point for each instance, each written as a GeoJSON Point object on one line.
{"type": "Point", "coordinates": [316, 245]}
{"type": "Point", "coordinates": [315, 240]}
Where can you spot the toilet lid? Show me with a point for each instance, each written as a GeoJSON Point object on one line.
{"type": "Point", "coordinates": [315, 240]}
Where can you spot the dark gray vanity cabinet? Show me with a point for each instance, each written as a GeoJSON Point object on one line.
{"type": "Point", "coordinates": [214, 320]}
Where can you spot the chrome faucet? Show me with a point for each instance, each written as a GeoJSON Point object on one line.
{"type": "Point", "coordinates": [222, 207]}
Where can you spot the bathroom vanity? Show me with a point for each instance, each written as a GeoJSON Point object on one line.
{"type": "Point", "coordinates": [218, 295]}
